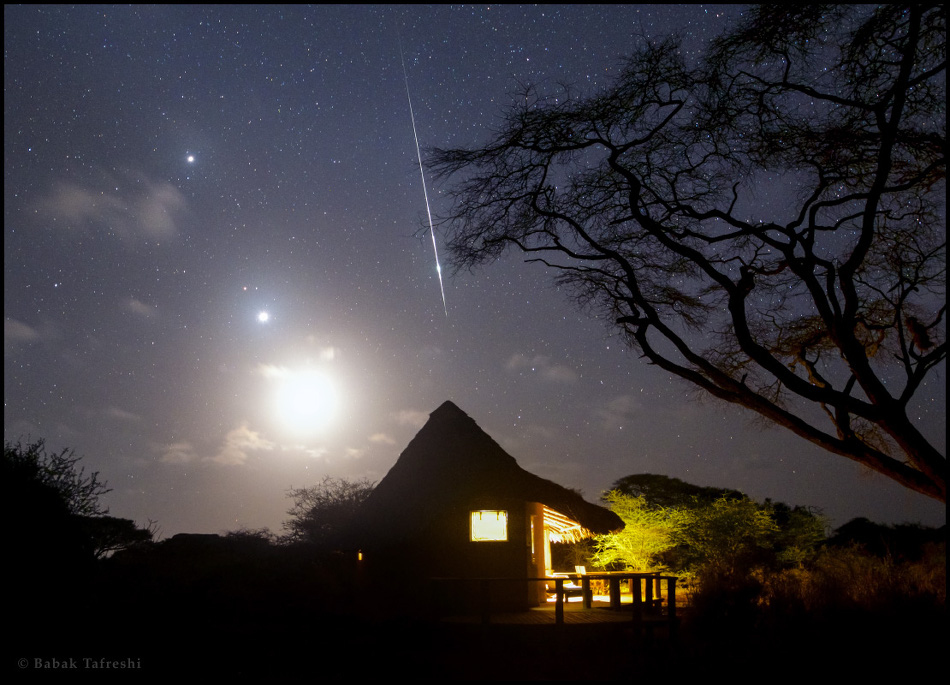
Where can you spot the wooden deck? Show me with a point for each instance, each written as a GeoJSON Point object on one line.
{"type": "Point", "coordinates": [645, 610]}
{"type": "Point", "coordinates": [574, 613]}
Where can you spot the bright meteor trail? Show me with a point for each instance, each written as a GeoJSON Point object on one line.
{"type": "Point", "coordinates": [425, 193]}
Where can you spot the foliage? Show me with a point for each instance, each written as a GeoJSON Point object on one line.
{"type": "Point", "coordinates": [767, 224]}
{"type": "Point", "coordinates": [664, 492]}
{"type": "Point", "coordinates": [38, 523]}
{"type": "Point", "coordinates": [61, 503]}
{"type": "Point", "coordinates": [646, 533]}
{"type": "Point", "coordinates": [725, 539]}
{"type": "Point", "coordinates": [801, 532]}
{"type": "Point", "coordinates": [321, 513]}
{"type": "Point", "coordinates": [261, 536]}
{"type": "Point", "coordinates": [905, 541]}
{"type": "Point", "coordinates": [60, 471]}
{"type": "Point", "coordinates": [704, 533]}
{"type": "Point", "coordinates": [844, 578]}
{"type": "Point", "coordinates": [109, 534]}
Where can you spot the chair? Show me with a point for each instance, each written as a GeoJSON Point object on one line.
{"type": "Point", "coordinates": [569, 587]}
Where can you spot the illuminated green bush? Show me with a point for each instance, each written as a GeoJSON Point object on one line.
{"type": "Point", "coordinates": [645, 536]}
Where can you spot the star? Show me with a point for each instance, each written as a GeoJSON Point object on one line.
{"type": "Point", "coordinates": [190, 159]}
{"type": "Point", "coordinates": [263, 317]}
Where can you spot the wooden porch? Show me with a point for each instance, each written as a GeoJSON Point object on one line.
{"type": "Point", "coordinates": [651, 601]}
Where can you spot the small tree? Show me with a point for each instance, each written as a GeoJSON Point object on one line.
{"type": "Point", "coordinates": [665, 492]}
{"type": "Point", "coordinates": [321, 513]}
{"type": "Point", "coordinates": [61, 495]}
{"type": "Point", "coordinates": [646, 534]}
{"type": "Point", "coordinates": [726, 539]}
{"type": "Point", "coordinates": [60, 471]}
{"type": "Point", "coordinates": [801, 531]}
{"type": "Point", "coordinates": [109, 534]}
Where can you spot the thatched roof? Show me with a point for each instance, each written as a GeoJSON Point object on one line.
{"type": "Point", "coordinates": [452, 462]}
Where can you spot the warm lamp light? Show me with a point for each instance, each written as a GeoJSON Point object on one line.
{"type": "Point", "coordinates": [489, 525]}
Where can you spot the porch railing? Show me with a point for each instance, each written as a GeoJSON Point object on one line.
{"type": "Point", "coordinates": [645, 589]}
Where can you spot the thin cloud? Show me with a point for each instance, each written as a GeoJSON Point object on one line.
{"type": "Point", "coordinates": [238, 446]}
{"type": "Point", "coordinates": [542, 366]}
{"type": "Point", "coordinates": [618, 412]}
{"type": "Point", "coordinates": [140, 308]}
{"type": "Point", "coordinates": [19, 332]}
{"type": "Point", "coordinates": [122, 415]}
{"type": "Point", "coordinates": [382, 439]}
{"type": "Point", "coordinates": [272, 371]}
{"type": "Point", "coordinates": [177, 453]}
{"type": "Point", "coordinates": [411, 418]}
{"type": "Point", "coordinates": [133, 209]}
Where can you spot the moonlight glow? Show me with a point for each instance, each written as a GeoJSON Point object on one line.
{"type": "Point", "coordinates": [263, 317]}
{"type": "Point", "coordinates": [306, 401]}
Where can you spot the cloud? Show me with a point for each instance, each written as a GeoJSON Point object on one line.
{"type": "Point", "coordinates": [382, 438]}
{"type": "Point", "coordinates": [17, 331]}
{"type": "Point", "coordinates": [177, 453]}
{"type": "Point", "coordinates": [140, 308]}
{"type": "Point", "coordinates": [313, 452]}
{"type": "Point", "coordinates": [122, 415]}
{"type": "Point", "coordinates": [618, 412]}
{"type": "Point", "coordinates": [272, 371]}
{"type": "Point", "coordinates": [411, 418]}
{"type": "Point", "coordinates": [541, 365]}
{"type": "Point", "coordinates": [132, 208]}
{"type": "Point", "coordinates": [302, 450]}
{"type": "Point", "coordinates": [238, 443]}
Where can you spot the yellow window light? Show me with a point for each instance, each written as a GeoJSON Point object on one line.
{"type": "Point", "coordinates": [488, 525]}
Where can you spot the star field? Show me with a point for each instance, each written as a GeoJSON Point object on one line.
{"type": "Point", "coordinates": [214, 220]}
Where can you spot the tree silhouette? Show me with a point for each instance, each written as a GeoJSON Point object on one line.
{"type": "Point", "coordinates": [663, 492]}
{"type": "Point", "coordinates": [79, 491]}
{"type": "Point", "coordinates": [768, 225]}
{"type": "Point", "coordinates": [322, 513]}
{"type": "Point", "coordinates": [109, 534]}
{"type": "Point", "coordinates": [55, 505]}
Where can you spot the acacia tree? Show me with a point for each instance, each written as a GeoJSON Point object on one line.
{"type": "Point", "coordinates": [646, 533]}
{"type": "Point", "coordinates": [665, 492]}
{"type": "Point", "coordinates": [725, 539]}
{"type": "Point", "coordinates": [322, 513]}
{"type": "Point", "coordinates": [768, 225]}
{"type": "Point", "coordinates": [60, 471]}
{"type": "Point", "coordinates": [54, 493]}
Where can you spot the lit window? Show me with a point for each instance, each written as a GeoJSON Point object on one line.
{"type": "Point", "coordinates": [489, 525]}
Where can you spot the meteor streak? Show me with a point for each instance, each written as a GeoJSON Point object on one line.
{"type": "Point", "coordinates": [425, 193]}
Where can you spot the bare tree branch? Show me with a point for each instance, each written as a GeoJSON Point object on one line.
{"type": "Point", "coordinates": [768, 226]}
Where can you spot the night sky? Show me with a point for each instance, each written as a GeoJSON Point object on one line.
{"type": "Point", "coordinates": [218, 284]}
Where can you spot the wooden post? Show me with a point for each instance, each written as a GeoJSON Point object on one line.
{"type": "Point", "coordinates": [588, 595]}
{"type": "Point", "coordinates": [649, 580]}
{"type": "Point", "coordinates": [559, 602]}
{"type": "Point", "coordinates": [637, 607]}
{"type": "Point", "coordinates": [614, 592]}
{"type": "Point", "coordinates": [671, 605]}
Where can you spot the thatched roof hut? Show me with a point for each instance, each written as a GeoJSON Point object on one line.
{"type": "Point", "coordinates": [427, 512]}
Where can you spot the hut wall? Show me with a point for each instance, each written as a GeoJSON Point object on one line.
{"type": "Point", "coordinates": [444, 549]}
